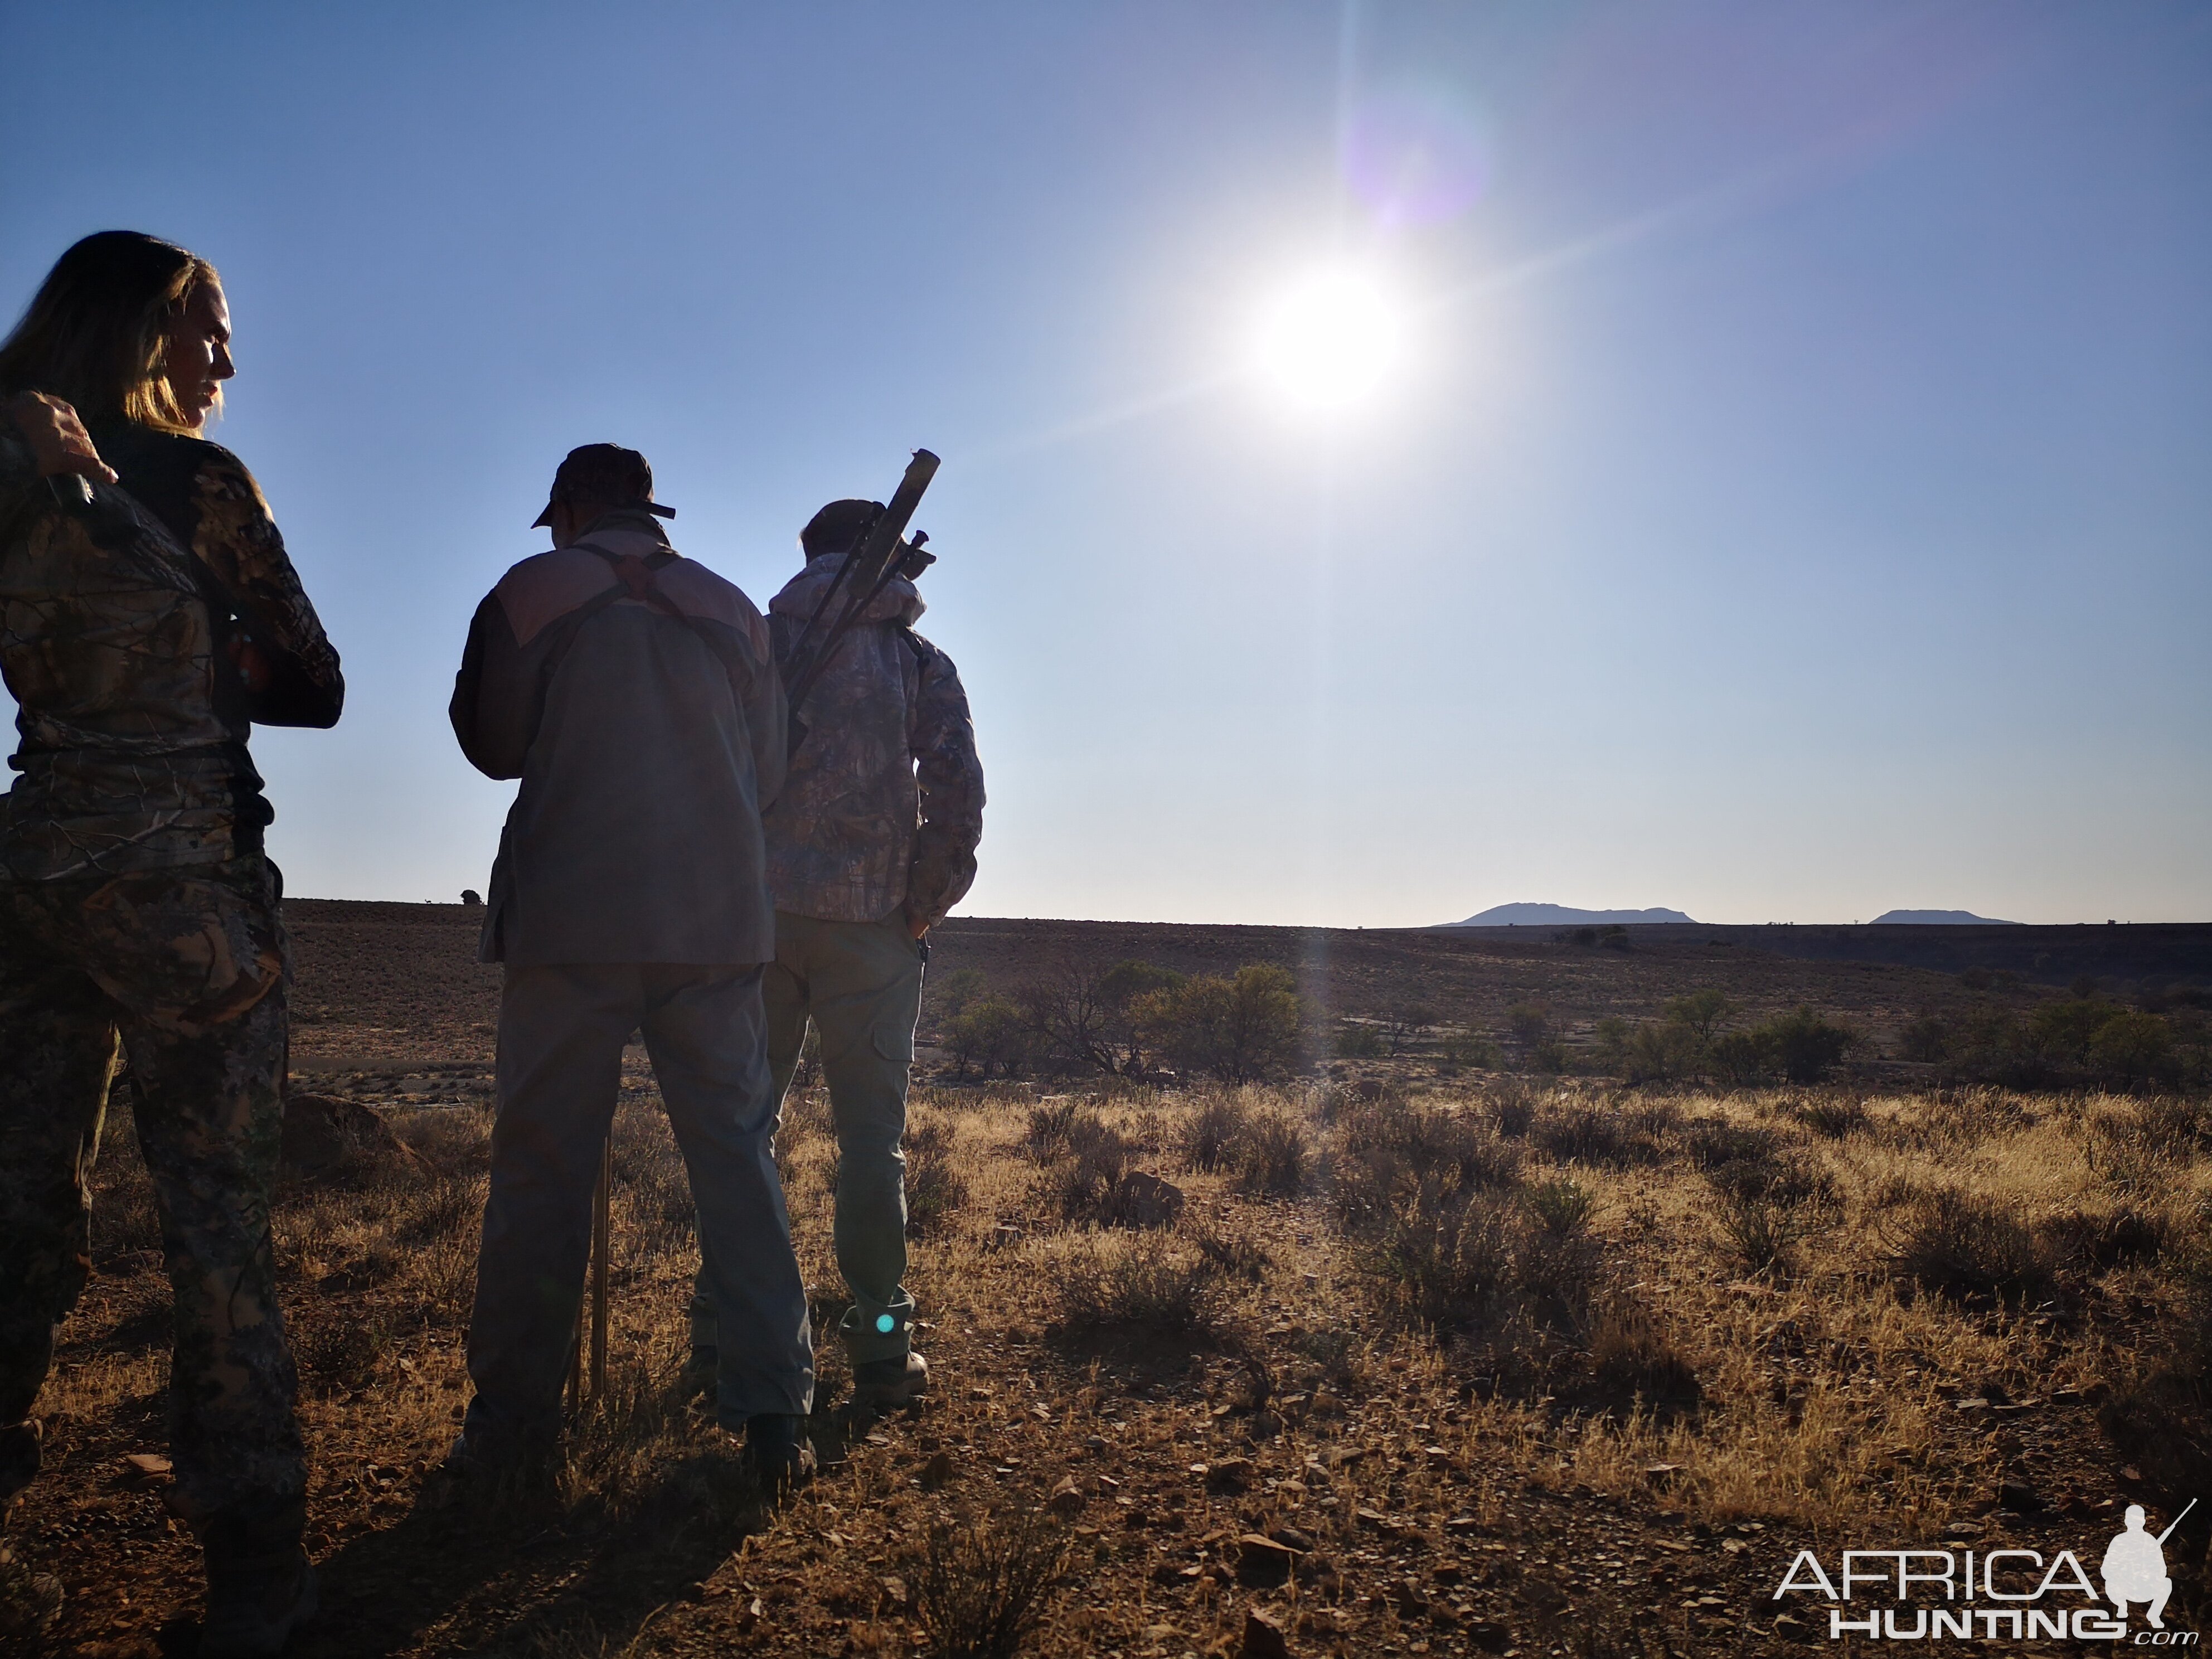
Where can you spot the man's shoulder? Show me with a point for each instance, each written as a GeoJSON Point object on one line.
{"type": "Point", "coordinates": [934, 657]}
{"type": "Point", "coordinates": [699, 592]}
{"type": "Point", "coordinates": [542, 589]}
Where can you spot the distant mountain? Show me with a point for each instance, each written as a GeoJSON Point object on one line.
{"type": "Point", "coordinates": [1558, 915]}
{"type": "Point", "coordinates": [1943, 918]}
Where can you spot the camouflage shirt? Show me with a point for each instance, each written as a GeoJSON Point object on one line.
{"type": "Point", "coordinates": [115, 628]}
{"type": "Point", "coordinates": [883, 806]}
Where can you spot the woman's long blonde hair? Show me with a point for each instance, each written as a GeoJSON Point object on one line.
{"type": "Point", "coordinates": [97, 330]}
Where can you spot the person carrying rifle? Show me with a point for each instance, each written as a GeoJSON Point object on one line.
{"type": "Point", "coordinates": [634, 693]}
{"type": "Point", "coordinates": [872, 840]}
{"type": "Point", "coordinates": [147, 622]}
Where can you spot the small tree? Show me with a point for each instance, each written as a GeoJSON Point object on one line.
{"type": "Point", "coordinates": [2132, 1047]}
{"type": "Point", "coordinates": [1531, 1026]}
{"type": "Point", "coordinates": [957, 990]}
{"type": "Point", "coordinates": [1401, 1028]}
{"type": "Point", "coordinates": [1239, 1029]}
{"type": "Point", "coordinates": [991, 1035]}
{"type": "Point", "coordinates": [1702, 1011]}
{"type": "Point", "coordinates": [1087, 1017]}
{"type": "Point", "coordinates": [1806, 1046]}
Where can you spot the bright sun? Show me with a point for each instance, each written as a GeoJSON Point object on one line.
{"type": "Point", "coordinates": [1330, 340]}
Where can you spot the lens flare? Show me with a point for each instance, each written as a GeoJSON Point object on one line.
{"type": "Point", "coordinates": [1330, 340]}
{"type": "Point", "coordinates": [1416, 156]}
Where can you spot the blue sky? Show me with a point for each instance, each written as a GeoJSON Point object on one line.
{"type": "Point", "coordinates": [1791, 500]}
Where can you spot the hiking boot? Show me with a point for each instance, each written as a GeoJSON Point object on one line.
{"type": "Point", "coordinates": [260, 1585]}
{"type": "Point", "coordinates": [481, 1454]}
{"type": "Point", "coordinates": [884, 1385]}
{"type": "Point", "coordinates": [19, 1457]}
{"type": "Point", "coordinates": [781, 1456]}
{"type": "Point", "coordinates": [30, 1604]}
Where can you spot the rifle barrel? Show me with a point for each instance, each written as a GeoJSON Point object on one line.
{"type": "Point", "coordinates": [2176, 1521]}
{"type": "Point", "coordinates": [877, 555]}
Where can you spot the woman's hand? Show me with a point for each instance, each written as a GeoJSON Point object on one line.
{"type": "Point", "coordinates": [57, 437]}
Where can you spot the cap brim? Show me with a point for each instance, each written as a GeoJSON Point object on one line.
{"type": "Point", "coordinates": [654, 508]}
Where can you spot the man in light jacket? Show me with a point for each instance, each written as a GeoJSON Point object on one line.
{"type": "Point", "coordinates": [635, 694]}
{"type": "Point", "coordinates": [871, 841]}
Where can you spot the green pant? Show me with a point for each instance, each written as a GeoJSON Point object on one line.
{"type": "Point", "coordinates": [860, 983]}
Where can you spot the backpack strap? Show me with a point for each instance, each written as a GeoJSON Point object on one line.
{"type": "Point", "coordinates": [635, 580]}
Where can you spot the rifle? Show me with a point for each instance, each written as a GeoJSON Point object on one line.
{"type": "Point", "coordinates": [2177, 1521]}
{"type": "Point", "coordinates": [878, 555]}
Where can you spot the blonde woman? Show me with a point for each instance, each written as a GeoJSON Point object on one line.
{"type": "Point", "coordinates": [142, 633]}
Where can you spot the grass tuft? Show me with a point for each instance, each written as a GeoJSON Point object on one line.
{"type": "Point", "coordinates": [980, 1590]}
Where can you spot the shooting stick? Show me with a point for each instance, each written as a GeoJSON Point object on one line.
{"type": "Point", "coordinates": [600, 1201]}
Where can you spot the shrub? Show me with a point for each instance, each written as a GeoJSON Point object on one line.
{"type": "Point", "coordinates": [1447, 1256]}
{"type": "Point", "coordinates": [1239, 1029]}
{"type": "Point", "coordinates": [952, 993]}
{"type": "Point", "coordinates": [1386, 1149]}
{"type": "Point", "coordinates": [1273, 1159]}
{"type": "Point", "coordinates": [1514, 1106]}
{"type": "Point", "coordinates": [1402, 1027]}
{"type": "Point", "coordinates": [992, 1036]}
{"type": "Point", "coordinates": [2178, 1126]}
{"type": "Point", "coordinates": [1052, 1127]}
{"type": "Point", "coordinates": [1530, 1022]}
{"type": "Point", "coordinates": [1089, 1183]}
{"type": "Point", "coordinates": [1831, 1118]}
{"type": "Point", "coordinates": [1652, 1053]}
{"type": "Point", "coordinates": [1236, 1253]}
{"type": "Point", "coordinates": [981, 1590]}
{"type": "Point", "coordinates": [1142, 1296]}
{"type": "Point", "coordinates": [1807, 1047]}
{"type": "Point", "coordinates": [1594, 1134]}
{"type": "Point", "coordinates": [934, 1189]}
{"type": "Point", "coordinates": [1926, 1040]}
{"type": "Point", "coordinates": [1211, 1136]}
{"type": "Point", "coordinates": [1357, 1040]}
{"type": "Point", "coordinates": [1087, 1019]}
{"type": "Point", "coordinates": [1563, 1208]}
{"type": "Point", "coordinates": [2097, 1239]}
{"type": "Point", "coordinates": [1472, 1051]}
{"type": "Point", "coordinates": [2131, 1048]}
{"type": "Point", "coordinates": [1952, 1242]}
{"type": "Point", "coordinates": [1742, 1057]}
{"type": "Point", "coordinates": [1458, 1256]}
{"type": "Point", "coordinates": [1710, 1142]}
{"type": "Point", "coordinates": [1700, 1013]}
{"type": "Point", "coordinates": [1631, 1354]}
{"type": "Point", "coordinates": [2079, 1040]}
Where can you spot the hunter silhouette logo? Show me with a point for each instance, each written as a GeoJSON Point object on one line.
{"type": "Point", "coordinates": [1998, 1593]}
{"type": "Point", "coordinates": [2135, 1566]}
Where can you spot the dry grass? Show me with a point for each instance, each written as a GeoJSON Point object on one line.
{"type": "Point", "coordinates": [1509, 1362]}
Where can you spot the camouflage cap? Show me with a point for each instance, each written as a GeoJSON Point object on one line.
{"type": "Point", "coordinates": [604, 472]}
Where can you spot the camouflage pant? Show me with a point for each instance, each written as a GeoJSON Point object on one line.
{"type": "Point", "coordinates": [189, 968]}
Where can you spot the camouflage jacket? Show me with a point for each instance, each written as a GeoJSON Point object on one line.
{"type": "Point", "coordinates": [883, 806]}
{"type": "Point", "coordinates": [115, 628]}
